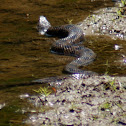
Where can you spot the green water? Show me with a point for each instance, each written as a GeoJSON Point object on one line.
{"type": "Point", "coordinates": [25, 56]}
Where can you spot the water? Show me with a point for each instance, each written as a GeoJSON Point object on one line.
{"type": "Point", "coordinates": [25, 56]}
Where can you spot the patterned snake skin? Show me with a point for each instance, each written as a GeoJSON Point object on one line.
{"type": "Point", "coordinates": [70, 36]}
{"type": "Point", "coordinates": [67, 45]}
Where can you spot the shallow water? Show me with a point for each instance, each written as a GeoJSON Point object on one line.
{"type": "Point", "coordinates": [25, 56]}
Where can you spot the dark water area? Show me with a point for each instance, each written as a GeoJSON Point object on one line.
{"type": "Point", "coordinates": [25, 55]}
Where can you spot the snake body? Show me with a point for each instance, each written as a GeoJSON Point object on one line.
{"type": "Point", "coordinates": [68, 45]}
{"type": "Point", "coordinates": [70, 35]}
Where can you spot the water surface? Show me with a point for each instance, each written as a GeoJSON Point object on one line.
{"type": "Point", "coordinates": [25, 55]}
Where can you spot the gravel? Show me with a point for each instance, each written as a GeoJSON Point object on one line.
{"type": "Point", "coordinates": [98, 100]}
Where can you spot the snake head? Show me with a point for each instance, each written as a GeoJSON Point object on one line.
{"type": "Point", "coordinates": [43, 25]}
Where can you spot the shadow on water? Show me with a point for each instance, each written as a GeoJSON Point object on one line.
{"type": "Point", "coordinates": [25, 56]}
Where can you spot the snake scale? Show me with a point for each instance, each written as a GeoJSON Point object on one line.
{"type": "Point", "coordinates": [70, 35]}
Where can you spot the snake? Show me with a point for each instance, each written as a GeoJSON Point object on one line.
{"type": "Point", "coordinates": [70, 36]}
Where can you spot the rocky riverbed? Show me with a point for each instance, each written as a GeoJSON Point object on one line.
{"type": "Point", "coordinates": [109, 21]}
{"type": "Point", "coordinates": [96, 101]}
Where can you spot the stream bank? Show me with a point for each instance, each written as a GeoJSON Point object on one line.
{"type": "Point", "coordinates": [96, 101]}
